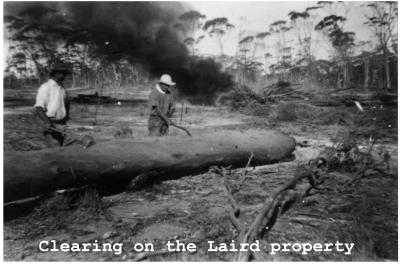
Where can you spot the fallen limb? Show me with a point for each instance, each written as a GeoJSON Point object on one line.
{"type": "Point", "coordinates": [245, 171]}
{"type": "Point", "coordinates": [273, 207]}
{"type": "Point", "coordinates": [235, 211]}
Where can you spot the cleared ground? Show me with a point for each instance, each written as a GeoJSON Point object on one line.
{"type": "Point", "coordinates": [194, 208]}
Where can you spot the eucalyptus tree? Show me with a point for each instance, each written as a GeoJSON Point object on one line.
{"type": "Point", "coordinates": [342, 41]}
{"type": "Point", "coordinates": [280, 29]}
{"type": "Point", "coordinates": [332, 27]}
{"type": "Point", "coordinates": [244, 60]}
{"type": "Point", "coordinates": [191, 23]}
{"type": "Point", "coordinates": [218, 28]}
{"type": "Point", "coordinates": [245, 45]}
{"type": "Point", "coordinates": [262, 42]}
{"type": "Point", "coordinates": [303, 26]}
{"type": "Point", "coordinates": [365, 56]}
{"type": "Point", "coordinates": [382, 18]}
{"type": "Point", "coordinates": [37, 40]}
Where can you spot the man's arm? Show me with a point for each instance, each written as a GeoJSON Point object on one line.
{"type": "Point", "coordinates": [171, 112]}
{"type": "Point", "coordinates": [171, 109]}
{"type": "Point", "coordinates": [42, 115]}
{"type": "Point", "coordinates": [165, 118]}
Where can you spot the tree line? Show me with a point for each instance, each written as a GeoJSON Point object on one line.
{"type": "Point", "coordinates": [286, 50]}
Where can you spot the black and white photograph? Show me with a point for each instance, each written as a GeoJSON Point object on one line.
{"type": "Point", "coordinates": [208, 131]}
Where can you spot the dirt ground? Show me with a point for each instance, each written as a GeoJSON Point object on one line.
{"type": "Point", "coordinates": [194, 208]}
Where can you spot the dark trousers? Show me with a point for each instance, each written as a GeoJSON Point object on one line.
{"type": "Point", "coordinates": [157, 127]}
{"type": "Point", "coordinates": [53, 138]}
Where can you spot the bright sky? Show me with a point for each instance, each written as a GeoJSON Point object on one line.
{"type": "Point", "coordinates": [254, 17]}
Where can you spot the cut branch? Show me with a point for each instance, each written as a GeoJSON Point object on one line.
{"type": "Point", "coordinates": [273, 207]}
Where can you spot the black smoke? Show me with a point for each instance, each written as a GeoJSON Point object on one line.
{"type": "Point", "coordinates": [138, 31]}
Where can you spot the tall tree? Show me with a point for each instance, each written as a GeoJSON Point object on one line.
{"type": "Point", "coordinates": [245, 45]}
{"type": "Point", "coordinates": [333, 27]}
{"type": "Point", "coordinates": [192, 22]}
{"type": "Point", "coordinates": [365, 57]}
{"type": "Point", "coordinates": [262, 41]}
{"type": "Point", "coordinates": [38, 32]}
{"type": "Point", "coordinates": [267, 63]}
{"type": "Point", "coordinates": [303, 25]}
{"type": "Point", "coordinates": [280, 28]}
{"type": "Point", "coordinates": [218, 28]}
{"type": "Point", "coordinates": [382, 19]}
{"type": "Point", "coordinates": [342, 41]}
{"type": "Point", "coordinates": [245, 60]}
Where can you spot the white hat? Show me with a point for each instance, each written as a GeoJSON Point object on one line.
{"type": "Point", "coordinates": [166, 79]}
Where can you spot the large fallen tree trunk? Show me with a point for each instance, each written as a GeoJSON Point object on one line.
{"type": "Point", "coordinates": [114, 164]}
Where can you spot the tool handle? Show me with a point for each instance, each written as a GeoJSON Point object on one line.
{"type": "Point", "coordinates": [182, 128]}
{"type": "Point", "coordinates": [57, 130]}
{"type": "Point", "coordinates": [66, 134]}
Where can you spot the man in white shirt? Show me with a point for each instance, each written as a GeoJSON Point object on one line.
{"type": "Point", "coordinates": [52, 106]}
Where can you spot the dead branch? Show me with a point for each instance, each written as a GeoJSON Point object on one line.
{"type": "Point", "coordinates": [361, 174]}
{"type": "Point", "coordinates": [245, 171]}
{"type": "Point", "coordinates": [228, 191]}
{"type": "Point", "coordinates": [236, 223]}
{"type": "Point", "coordinates": [281, 95]}
{"type": "Point", "coordinates": [248, 163]}
{"type": "Point", "coordinates": [273, 207]}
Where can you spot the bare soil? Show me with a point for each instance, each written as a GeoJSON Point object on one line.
{"type": "Point", "coordinates": [194, 208]}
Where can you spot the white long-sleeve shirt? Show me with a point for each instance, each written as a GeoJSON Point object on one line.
{"type": "Point", "coordinates": [51, 97]}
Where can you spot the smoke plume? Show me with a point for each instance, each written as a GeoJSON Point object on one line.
{"type": "Point", "coordinates": [138, 31]}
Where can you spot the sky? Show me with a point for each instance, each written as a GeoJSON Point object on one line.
{"type": "Point", "coordinates": [255, 16]}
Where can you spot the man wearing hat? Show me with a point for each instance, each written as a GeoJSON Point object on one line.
{"type": "Point", "coordinates": [51, 104]}
{"type": "Point", "coordinates": [161, 106]}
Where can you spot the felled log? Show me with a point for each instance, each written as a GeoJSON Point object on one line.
{"type": "Point", "coordinates": [114, 164]}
